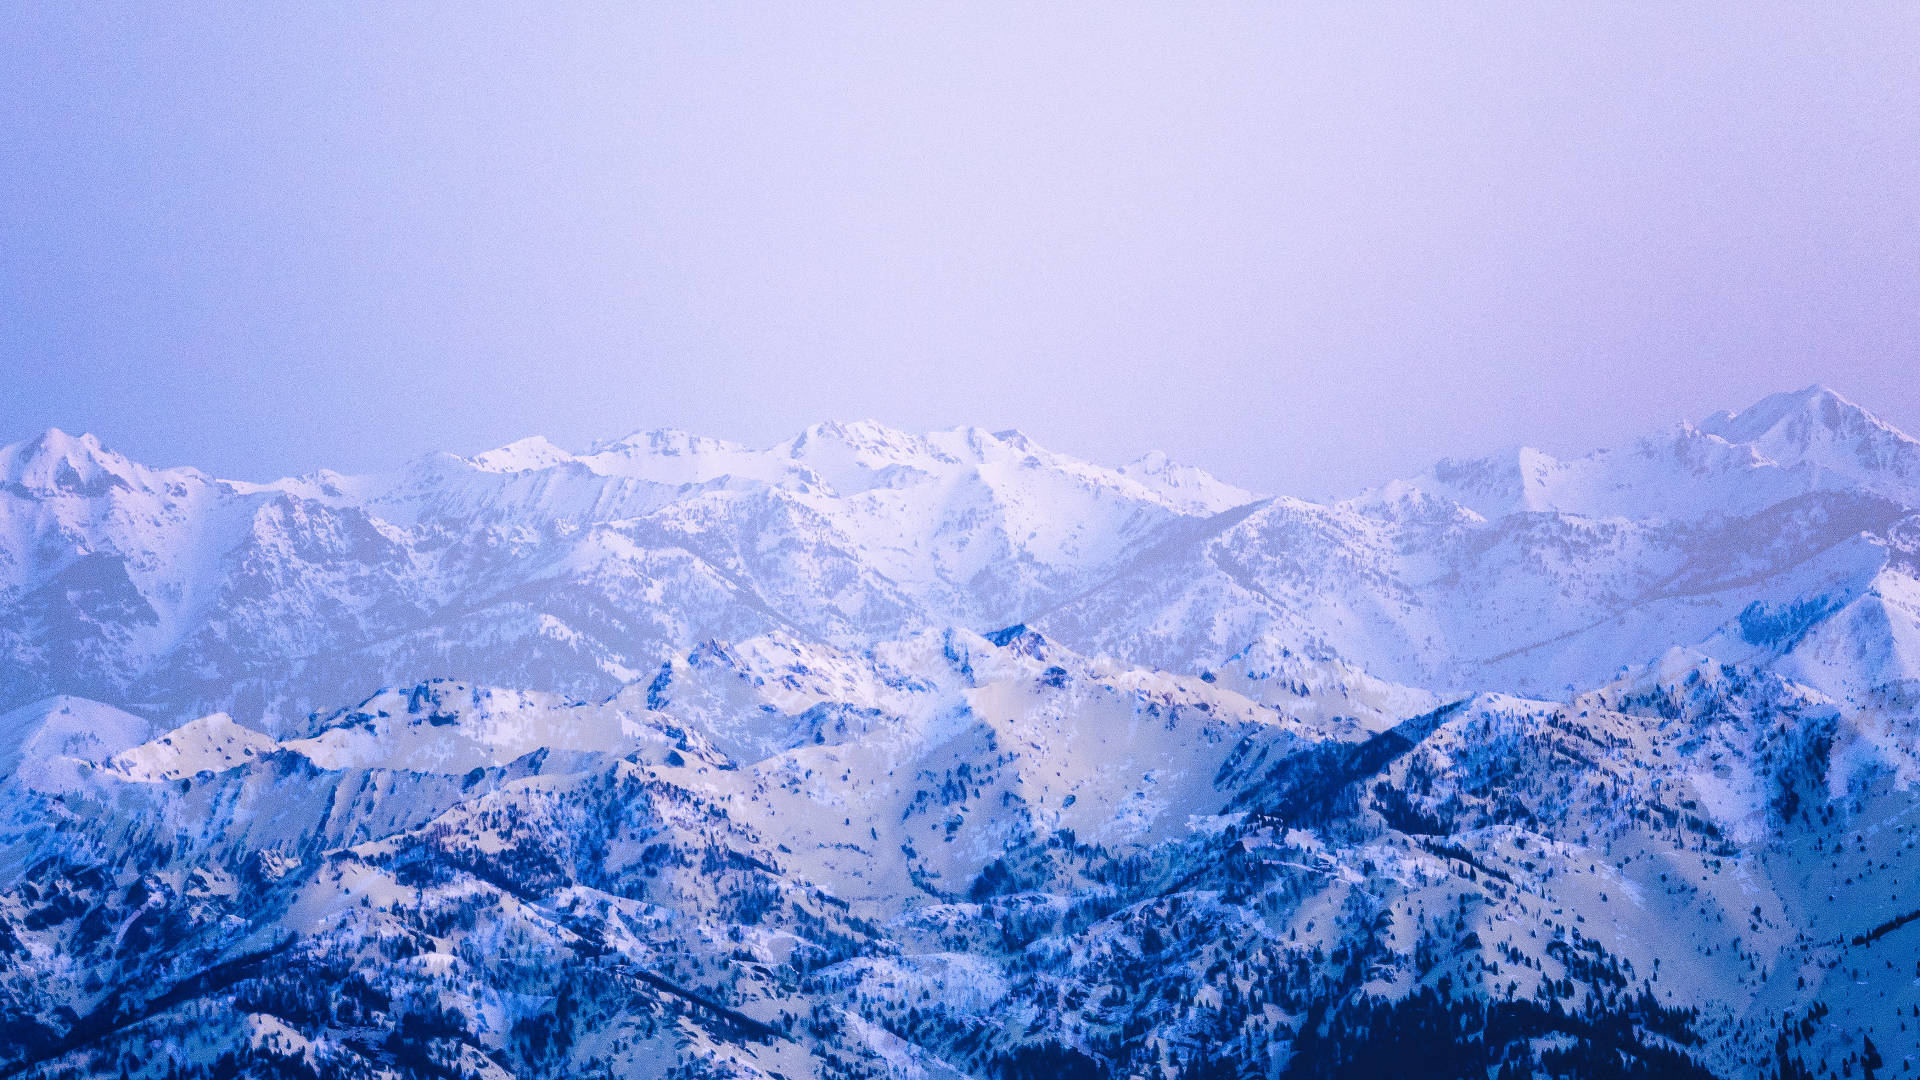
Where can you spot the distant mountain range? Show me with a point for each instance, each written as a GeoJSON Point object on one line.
{"type": "Point", "coordinates": [525, 764]}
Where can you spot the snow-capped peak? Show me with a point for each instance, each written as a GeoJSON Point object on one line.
{"type": "Point", "coordinates": [56, 461]}
{"type": "Point", "coordinates": [1193, 489]}
{"type": "Point", "coordinates": [1731, 463]}
{"type": "Point", "coordinates": [667, 442]}
{"type": "Point", "coordinates": [1823, 433]}
{"type": "Point", "coordinates": [1794, 417]}
{"type": "Point", "coordinates": [523, 455]}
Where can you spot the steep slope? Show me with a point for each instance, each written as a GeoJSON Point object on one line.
{"type": "Point", "coordinates": [957, 856]}
{"type": "Point", "coordinates": [175, 593]}
{"type": "Point", "coordinates": [707, 798]}
{"type": "Point", "coordinates": [693, 761]}
{"type": "Point", "coordinates": [50, 745]}
{"type": "Point", "coordinates": [1542, 576]}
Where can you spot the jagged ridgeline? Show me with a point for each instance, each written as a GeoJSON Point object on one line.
{"type": "Point", "coordinates": [877, 755]}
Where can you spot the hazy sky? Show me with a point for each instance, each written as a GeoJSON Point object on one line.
{"type": "Point", "coordinates": [1304, 247]}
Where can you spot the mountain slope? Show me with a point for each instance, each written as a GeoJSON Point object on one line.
{"type": "Point", "coordinates": [1542, 576]}
{"type": "Point", "coordinates": [954, 856]}
{"type": "Point", "coordinates": [872, 754]}
{"type": "Point", "coordinates": [177, 593]}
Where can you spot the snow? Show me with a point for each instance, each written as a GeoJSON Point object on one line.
{"type": "Point", "coordinates": [212, 743]}
{"type": "Point", "coordinates": [44, 744]}
{"type": "Point", "coordinates": [943, 743]}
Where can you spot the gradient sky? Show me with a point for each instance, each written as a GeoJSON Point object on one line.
{"type": "Point", "coordinates": [1305, 247]}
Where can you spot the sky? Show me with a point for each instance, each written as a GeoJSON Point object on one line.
{"type": "Point", "coordinates": [1307, 247]}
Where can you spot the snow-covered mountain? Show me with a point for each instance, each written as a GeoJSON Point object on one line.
{"type": "Point", "coordinates": [1600, 767]}
{"type": "Point", "coordinates": [178, 593]}
{"type": "Point", "coordinates": [1532, 574]}
{"type": "Point", "coordinates": [175, 594]}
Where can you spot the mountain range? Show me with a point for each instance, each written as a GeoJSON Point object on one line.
{"type": "Point", "coordinates": [524, 764]}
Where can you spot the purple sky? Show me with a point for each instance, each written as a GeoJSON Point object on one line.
{"type": "Point", "coordinates": [1306, 249]}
